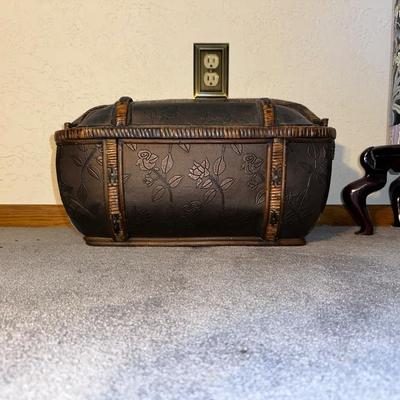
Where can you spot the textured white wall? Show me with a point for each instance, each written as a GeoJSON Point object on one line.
{"type": "Point", "coordinates": [59, 58]}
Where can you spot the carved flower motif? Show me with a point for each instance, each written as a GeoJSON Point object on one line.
{"type": "Point", "coordinates": [199, 170]}
{"type": "Point", "coordinates": [251, 163]}
{"type": "Point", "coordinates": [148, 180]}
{"type": "Point", "coordinates": [192, 208]}
{"type": "Point", "coordinates": [146, 160]}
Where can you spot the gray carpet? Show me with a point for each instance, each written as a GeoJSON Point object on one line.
{"type": "Point", "coordinates": [313, 322]}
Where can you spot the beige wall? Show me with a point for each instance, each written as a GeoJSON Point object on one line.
{"type": "Point", "coordinates": [59, 58]}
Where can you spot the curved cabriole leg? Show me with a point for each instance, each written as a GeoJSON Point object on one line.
{"type": "Point", "coordinates": [355, 199]}
{"type": "Point", "coordinates": [355, 194]}
{"type": "Point", "coordinates": [394, 193]}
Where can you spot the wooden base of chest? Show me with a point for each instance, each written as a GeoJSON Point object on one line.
{"type": "Point", "coordinates": [193, 242]}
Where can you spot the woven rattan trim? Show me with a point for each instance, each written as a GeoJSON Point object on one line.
{"type": "Point", "coordinates": [277, 182]}
{"type": "Point", "coordinates": [268, 113]}
{"type": "Point", "coordinates": [121, 111]}
{"type": "Point", "coordinates": [182, 132]}
{"type": "Point", "coordinates": [114, 211]}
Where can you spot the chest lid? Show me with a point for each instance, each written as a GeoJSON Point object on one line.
{"type": "Point", "coordinates": [200, 118]}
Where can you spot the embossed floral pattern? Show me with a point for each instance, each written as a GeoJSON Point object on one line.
{"type": "Point", "coordinates": [146, 160]}
{"type": "Point", "coordinates": [85, 160]}
{"type": "Point", "coordinates": [252, 166]}
{"type": "Point", "coordinates": [199, 171]}
{"type": "Point", "coordinates": [211, 187]}
{"type": "Point", "coordinates": [81, 182]}
{"type": "Point", "coordinates": [314, 163]}
{"type": "Point", "coordinates": [158, 174]}
{"type": "Point", "coordinates": [191, 208]}
{"type": "Point", "coordinates": [251, 163]}
{"type": "Point", "coordinates": [210, 179]}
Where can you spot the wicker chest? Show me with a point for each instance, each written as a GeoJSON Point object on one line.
{"type": "Point", "coordinates": [195, 172]}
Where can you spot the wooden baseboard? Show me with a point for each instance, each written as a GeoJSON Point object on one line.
{"type": "Point", "coordinates": [337, 215]}
{"type": "Point", "coordinates": [37, 215]}
{"type": "Point", "coordinates": [33, 215]}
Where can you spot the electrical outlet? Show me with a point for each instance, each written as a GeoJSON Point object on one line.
{"type": "Point", "coordinates": [211, 69]}
{"type": "Point", "coordinates": [211, 79]}
{"type": "Point", "coordinates": [211, 60]}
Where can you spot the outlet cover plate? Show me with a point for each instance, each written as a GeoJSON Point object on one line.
{"type": "Point", "coordinates": [211, 67]}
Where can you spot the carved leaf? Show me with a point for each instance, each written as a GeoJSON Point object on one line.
{"type": "Point", "coordinates": [257, 164]}
{"type": "Point", "coordinates": [82, 193]}
{"type": "Point", "coordinates": [219, 166]}
{"type": "Point", "coordinates": [167, 163]}
{"type": "Point", "coordinates": [260, 197]}
{"type": "Point", "coordinates": [66, 189]}
{"type": "Point", "coordinates": [185, 147]}
{"type": "Point", "coordinates": [93, 171]}
{"type": "Point", "coordinates": [226, 183]}
{"type": "Point", "coordinates": [206, 184]}
{"type": "Point", "coordinates": [77, 161]}
{"type": "Point", "coordinates": [254, 182]}
{"type": "Point", "coordinates": [125, 177]}
{"type": "Point", "coordinates": [158, 193]}
{"type": "Point", "coordinates": [209, 195]}
{"type": "Point", "coordinates": [237, 148]}
{"type": "Point", "coordinates": [132, 146]}
{"type": "Point", "coordinates": [175, 181]}
{"type": "Point", "coordinates": [99, 160]}
{"type": "Point", "coordinates": [81, 147]}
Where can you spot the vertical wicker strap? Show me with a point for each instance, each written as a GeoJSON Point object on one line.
{"type": "Point", "coordinates": [275, 177]}
{"type": "Point", "coordinates": [121, 115]}
{"type": "Point", "coordinates": [275, 184]}
{"type": "Point", "coordinates": [268, 113]}
{"type": "Point", "coordinates": [113, 187]}
{"type": "Point", "coordinates": [114, 204]}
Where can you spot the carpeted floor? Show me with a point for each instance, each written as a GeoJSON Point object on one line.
{"type": "Point", "coordinates": [314, 322]}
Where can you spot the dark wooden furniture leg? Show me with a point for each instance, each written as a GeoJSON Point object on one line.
{"type": "Point", "coordinates": [355, 194]}
{"type": "Point", "coordinates": [394, 193]}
